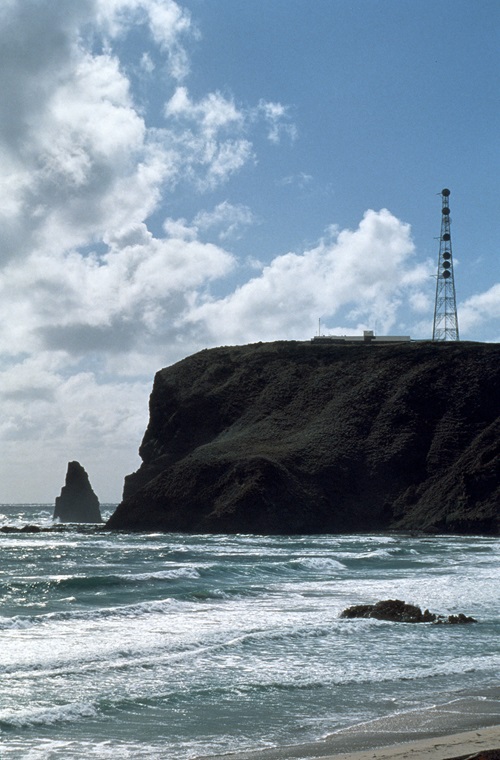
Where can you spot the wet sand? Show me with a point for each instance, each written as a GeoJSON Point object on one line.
{"type": "Point", "coordinates": [462, 745]}
{"type": "Point", "coordinates": [461, 728]}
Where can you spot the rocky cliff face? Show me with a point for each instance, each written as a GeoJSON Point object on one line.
{"type": "Point", "coordinates": [77, 502]}
{"type": "Point", "coordinates": [295, 437]}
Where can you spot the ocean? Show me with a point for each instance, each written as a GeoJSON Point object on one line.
{"type": "Point", "coordinates": [173, 646]}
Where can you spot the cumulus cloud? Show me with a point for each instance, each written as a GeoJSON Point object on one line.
{"type": "Point", "coordinates": [480, 308]}
{"type": "Point", "coordinates": [364, 271]}
{"type": "Point", "coordinates": [113, 302]}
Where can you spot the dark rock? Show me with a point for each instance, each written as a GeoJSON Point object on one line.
{"type": "Point", "coordinates": [391, 609]}
{"type": "Point", "coordinates": [77, 502]}
{"type": "Point", "coordinates": [398, 611]}
{"type": "Point", "coordinates": [459, 619]}
{"type": "Point", "coordinates": [24, 529]}
{"type": "Point", "coordinates": [293, 437]}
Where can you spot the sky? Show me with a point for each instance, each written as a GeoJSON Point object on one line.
{"type": "Point", "coordinates": [182, 175]}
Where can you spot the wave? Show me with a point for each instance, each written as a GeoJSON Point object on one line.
{"type": "Point", "coordinates": [163, 575]}
{"type": "Point", "coordinates": [96, 582]}
{"type": "Point", "coordinates": [322, 564]}
{"type": "Point", "coordinates": [182, 600]}
{"type": "Point", "coordinates": [45, 716]}
{"type": "Point", "coordinates": [253, 570]}
{"type": "Point", "coordinates": [138, 609]}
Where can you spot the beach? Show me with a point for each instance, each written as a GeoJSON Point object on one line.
{"type": "Point", "coordinates": [462, 745]}
{"type": "Point", "coordinates": [466, 744]}
{"type": "Point", "coordinates": [427, 734]}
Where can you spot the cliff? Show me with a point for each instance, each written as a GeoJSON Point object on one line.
{"type": "Point", "coordinates": [292, 437]}
{"type": "Point", "coordinates": [77, 502]}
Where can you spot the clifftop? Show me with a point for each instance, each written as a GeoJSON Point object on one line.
{"type": "Point", "coordinates": [292, 437]}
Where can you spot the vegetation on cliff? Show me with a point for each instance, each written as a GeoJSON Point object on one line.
{"type": "Point", "coordinates": [292, 437]}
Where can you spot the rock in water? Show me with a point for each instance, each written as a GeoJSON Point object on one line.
{"type": "Point", "coordinates": [397, 611]}
{"type": "Point", "coordinates": [292, 437]}
{"type": "Point", "coordinates": [77, 502]}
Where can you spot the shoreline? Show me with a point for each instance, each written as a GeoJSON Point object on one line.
{"type": "Point", "coordinates": [458, 729]}
{"type": "Point", "coordinates": [449, 747]}
{"type": "Point", "coordinates": [458, 746]}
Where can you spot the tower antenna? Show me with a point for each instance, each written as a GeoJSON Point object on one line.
{"type": "Point", "coordinates": [445, 309]}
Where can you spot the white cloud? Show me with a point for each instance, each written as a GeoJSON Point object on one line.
{"type": "Point", "coordinates": [115, 302]}
{"type": "Point", "coordinates": [278, 121]}
{"type": "Point", "coordinates": [213, 144]}
{"type": "Point", "coordinates": [207, 136]}
{"type": "Point", "coordinates": [480, 308]}
{"type": "Point", "coordinates": [49, 419]}
{"type": "Point", "coordinates": [301, 180]}
{"type": "Point", "coordinates": [420, 302]}
{"type": "Point", "coordinates": [365, 271]}
{"type": "Point", "coordinates": [168, 23]}
{"type": "Point", "coordinates": [77, 158]}
{"type": "Point", "coordinates": [82, 172]}
{"type": "Point", "coordinates": [227, 218]}
{"type": "Point", "coordinates": [147, 63]}
{"type": "Point", "coordinates": [85, 162]}
{"type": "Point", "coordinates": [212, 113]}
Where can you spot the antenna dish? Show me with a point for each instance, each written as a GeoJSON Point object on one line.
{"type": "Point", "coordinates": [445, 192]}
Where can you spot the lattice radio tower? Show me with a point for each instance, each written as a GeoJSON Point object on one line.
{"type": "Point", "coordinates": [445, 310]}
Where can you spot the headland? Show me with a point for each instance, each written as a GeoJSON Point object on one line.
{"type": "Point", "coordinates": [319, 437]}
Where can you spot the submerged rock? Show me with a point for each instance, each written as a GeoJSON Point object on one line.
{"type": "Point", "coordinates": [24, 529]}
{"type": "Point", "coordinates": [295, 437]}
{"type": "Point", "coordinates": [77, 502]}
{"type": "Point", "coordinates": [398, 611]}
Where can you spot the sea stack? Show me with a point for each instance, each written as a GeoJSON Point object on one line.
{"type": "Point", "coordinates": [77, 502]}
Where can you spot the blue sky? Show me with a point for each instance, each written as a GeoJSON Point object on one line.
{"type": "Point", "coordinates": [179, 175]}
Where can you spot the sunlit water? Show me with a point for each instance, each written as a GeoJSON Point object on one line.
{"type": "Point", "coordinates": [174, 646]}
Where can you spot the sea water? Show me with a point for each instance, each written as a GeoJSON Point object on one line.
{"type": "Point", "coordinates": [185, 646]}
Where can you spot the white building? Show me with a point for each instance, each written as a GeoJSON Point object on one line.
{"type": "Point", "coordinates": [367, 337]}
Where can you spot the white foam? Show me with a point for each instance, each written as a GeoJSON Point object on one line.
{"type": "Point", "coordinates": [43, 749]}
{"type": "Point", "coordinates": [319, 564]}
{"type": "Point", "coordinates": [167, 575]}
{"type": "Point", "coordinates": [47, 716]}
